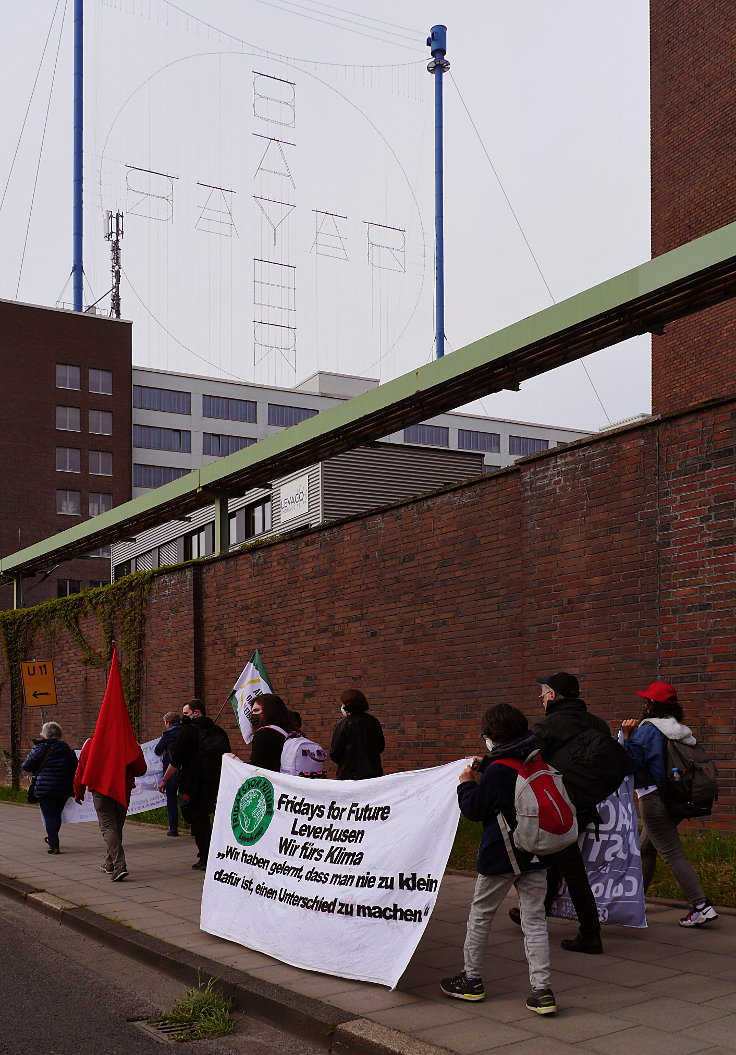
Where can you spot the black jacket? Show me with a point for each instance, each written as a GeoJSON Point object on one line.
{"type": "Point", "coordinates": [198, 778]}
{"type": "Point", "coordinates": [56, 774]}
{"type": "Point", "coordinates": [357, 743]}
{"type": "Point", "coordinates": [482, 801]}
{"type": "Point", "coordinates": [563, 720]}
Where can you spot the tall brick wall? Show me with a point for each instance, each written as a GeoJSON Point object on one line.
{"type": "Point", "coordinates": [612, 558]}
{"type": "Point", "coordinates": [693, 63]}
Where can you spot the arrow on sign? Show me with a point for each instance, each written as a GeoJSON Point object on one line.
{"type": "Point", "coordinates": [37, 693]}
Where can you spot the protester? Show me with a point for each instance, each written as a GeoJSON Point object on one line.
{"type": "Point", "coordinates": [196, 760]}
{"type": "Point", "coordinates": [270, 719]}
{"type": "Point", "coordinates": [566, 716]}
{"type": "Point", "coordinates": [507, 735]}
{"type": "Point", "coordinates": [645, 742]}
{"type": "Point", "coordinates": [357, 740]}
{"type": "Point", "coordinates": [172, 728]}
{"type": "Point", "coordinates": [53, 763]}
{"type": "Point", "coordinates": [301, 756]}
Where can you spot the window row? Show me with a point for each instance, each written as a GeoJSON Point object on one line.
{"type": "Point", "coordinates": [154, 438]}
{"type": "Point", "coordinates": [470, 440]}
{"type": "Point", "coordinates": [171, 401]}
{"type": "Point", "coordinates": [156, 475]}
{"type": "Point", "coordinates": [67, 587]}
{"type": "Point", "coordinates": [99, 382]}
{"type": "Point", "coordinates": [69, 419]}
{"type": "Point", "coordinates": [70, 503]}
{"type": "Point", "coordinates": [69, 460]}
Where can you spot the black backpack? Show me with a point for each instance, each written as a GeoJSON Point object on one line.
{"type": "Point", "coordinates": [212, 744]}
{"type": "Point", "coordinates": [691, 780]}
{"type": "Point", "coordinates": [593, 766]}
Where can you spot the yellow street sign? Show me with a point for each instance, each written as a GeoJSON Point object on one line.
{"type": "Point", "coordinates": [39, 686]}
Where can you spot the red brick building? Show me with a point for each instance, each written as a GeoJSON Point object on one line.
{"type": "Point", "coordinates": [65, 442]}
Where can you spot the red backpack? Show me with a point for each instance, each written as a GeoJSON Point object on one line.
{"type": "Point", "coordinates": [545, 817]}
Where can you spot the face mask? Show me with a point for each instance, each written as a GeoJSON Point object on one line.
{"type": "Point", "coordinates": [254, 720]}
{"type": "Point", "coordinates": [490, 744]}
{"type": "Point", "coordinates": [185, 719]}
{"type": "Point", "coordinates": [343, 712]}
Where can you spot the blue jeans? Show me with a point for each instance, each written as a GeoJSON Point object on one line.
{"type": "Point", "coordinates": [172, 804]}
{"type": "Point", "coordinates": [51, 809]}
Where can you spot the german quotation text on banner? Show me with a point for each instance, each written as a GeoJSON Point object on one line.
{"type": "Point", "coordinates": [338, 876]}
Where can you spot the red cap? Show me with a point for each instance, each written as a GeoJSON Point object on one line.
{"type": "Point", "coordinates": [659, 691]}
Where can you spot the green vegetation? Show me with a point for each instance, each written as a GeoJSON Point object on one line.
{"type": "Point", "coordinates": [711, 853]}
{"type": "Point", "coordinates": [203, 1012]}
{"type": "Point", "coordinates": [8, 794]}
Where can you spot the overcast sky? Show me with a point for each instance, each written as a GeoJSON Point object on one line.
{"type": "Point", "coordinates": [274, 161]}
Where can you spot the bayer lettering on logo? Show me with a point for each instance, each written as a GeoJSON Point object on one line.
{"type": "Point", "coordinates": [252, 810]}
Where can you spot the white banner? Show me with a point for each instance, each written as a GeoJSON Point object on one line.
{"type": "Point", "coordinates": [613, 863]}
{"type": "Point", "coordinates": [337, 876]}
{"type": "Point", "coordinates": [144, 796]}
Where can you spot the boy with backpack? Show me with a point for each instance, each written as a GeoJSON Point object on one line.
{"type": "Point", "coordinates": [491, 798]}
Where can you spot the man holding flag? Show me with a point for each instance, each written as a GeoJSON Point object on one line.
{"type": "Point", "coordinates": [108, 765]}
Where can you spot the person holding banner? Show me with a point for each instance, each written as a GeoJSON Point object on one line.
{"type": "Point", "coordinates": [357, 740]}
{"type": "Point", "coordinates": [270, 719]}
{"type": "Point", "coordinates": [481, 798]}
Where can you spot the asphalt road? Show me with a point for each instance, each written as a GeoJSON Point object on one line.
{"type": "Point", "coordinates": [64, 994]}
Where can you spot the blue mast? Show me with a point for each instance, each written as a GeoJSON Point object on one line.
{"type": "Point", "coordinates": [77, 227]}
{"type": "Point", "coordinates": [439, 65]}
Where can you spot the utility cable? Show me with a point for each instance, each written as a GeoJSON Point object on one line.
{"type": "Point", "coordinates": [40, 152]}
{"type": "Point", "coordinates": [28, 108]}
{"type": "Point", "coordinates": [521, 230]}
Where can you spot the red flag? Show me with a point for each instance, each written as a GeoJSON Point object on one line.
{"type": "Point", "coordinates": [114, 746]}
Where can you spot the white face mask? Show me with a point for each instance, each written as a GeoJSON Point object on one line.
{"type": "Point", "coordinates": [343, 712]}
{"type": "Point", "coordinates": [489, 744]}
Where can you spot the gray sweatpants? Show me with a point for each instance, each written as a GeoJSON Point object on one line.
{"type": "Point", "coordinates": [660, 836]}
{"type": "Point", "coordinates": [111, 817]}
{"type": "Point", "coordinates": [489, 893]}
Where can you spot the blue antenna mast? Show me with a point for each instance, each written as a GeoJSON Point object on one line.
{"type": "Point", "coordinates": [77, 175]}
{"type": "Point", "coordinates": [437, 41]}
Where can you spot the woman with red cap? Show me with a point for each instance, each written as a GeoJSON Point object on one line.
{"type": "Point", "coordinates": [645, 742]}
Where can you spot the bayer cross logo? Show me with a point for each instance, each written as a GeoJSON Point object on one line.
{"type": "Point", "coordinates": [252, 810]}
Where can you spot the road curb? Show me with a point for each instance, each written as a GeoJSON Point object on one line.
{"type": "Point", "coordinates": [320, 1023]}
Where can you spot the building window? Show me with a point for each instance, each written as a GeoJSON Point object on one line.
{"type": "Point", "coordinates": [68, 419]}
{"type": "Point", "coordinates": [95, 583]}
{"type": "Point", "coordinates": [428, 435]}
{"type": "Point", "coordinates": [68, 460]}
{"type": "Point", "coordinates": [66, 587]}
{"type": "Point", "coordinates": [123, 569]}
{"type": "Point", "coordinates": [68, 377]}
{"type": "Point", "coordinates": [467, 440]}
{"type": "Point", "coordinates": [100, 463]}
{"type": "Point", "coordinates": [99, 502]}
{"type": "Point", "coordinates": [223, 445]}
{"type": "Point", "coordinates": [100, 423]}
{"type": "Point", "coordinates": [229, 409]}
{"type": "Point", "coordinates": [521, 445]}
{"type": "Point", "coordinates": [100, 382]}
{"type": "Point", "coordinates": [199, 543]}
{"type": "Point", "coordinates": [103, 551]}
{"type": "Point", "coordinates": [250, 521]}
{"type": "Point", "coordinates": [69, 503]}
{"type": "Point", "coordinates": [490, 468]}
{"type": "Point", "coordinates": [285, 416]}
{"type": "Point", "coordinates": [153, 438]}
{"type": "Point", "coordinates": [166, 399]}
{"type": "Point", "coordinates": [156, 475]}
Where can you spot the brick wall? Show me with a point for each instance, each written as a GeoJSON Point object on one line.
{"type": "Point", "coordinates": [693, 62]}
{"type": "Point", "coordinates": [612, 558]}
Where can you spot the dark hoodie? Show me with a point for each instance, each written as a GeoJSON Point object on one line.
{"type": "Point", "coordinates": [482, 801]}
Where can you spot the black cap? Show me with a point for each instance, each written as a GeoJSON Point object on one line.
{"type": "Point", "coordinates": [563, 683]}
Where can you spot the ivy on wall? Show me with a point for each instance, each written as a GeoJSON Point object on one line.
{"type": "Point", "coordinates": [113, 613]}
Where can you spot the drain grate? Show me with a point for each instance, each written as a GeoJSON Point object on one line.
{"type": "Point", "coordinates": [168, 1033]}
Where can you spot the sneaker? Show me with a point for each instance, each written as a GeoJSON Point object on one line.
{"type": "Point", "coordinates": [199, 866]}
{"type": "Point", "coordinates": [515, 916]}
{"type": "Point", "coordinates": [463, 988]}
{"type": "Point", "coordinates": [122, 873]}
{"type": "Point", "coordinates": [174, 835]}
{"type": "Point", "coordinates": [580, 943]}
{"type": "Point", "coordinates": [106, 868]}
{"type": "Point", "coordinates": [51, 850]}
{"type": "Point", "coordinates": [698, 915]}
{"type": "Point", "coordinates": [542, 1001]}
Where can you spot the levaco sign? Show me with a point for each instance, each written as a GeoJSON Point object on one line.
{"type": "Point", "coordinates": [295, 499]}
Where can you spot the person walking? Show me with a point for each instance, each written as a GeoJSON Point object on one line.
{"type": "Point", "coordinates": [481, 798]}
{"type": "Point", "coordinates": [53, 764]}
{"type": "Point", "coordinates": [357, 740]}
{"type": "Point", "coordinates": [196, 759]}
{"type": "Point", "coordinates": [172, 728]}
{"type": "Point", "coordinates": [645, 742]}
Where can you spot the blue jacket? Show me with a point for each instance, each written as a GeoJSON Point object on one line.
{"type": "Point", "coordinates": [56, 774]}
{"type": "Point", "coordinates": [165, 747]}
{"type": "Point", "coordinates": [482, 801]}
{"type": "Point", "coordinates": [646, 748]}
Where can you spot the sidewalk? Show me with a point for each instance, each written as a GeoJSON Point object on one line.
{"type": "Point", "coordinates": [666, 989]}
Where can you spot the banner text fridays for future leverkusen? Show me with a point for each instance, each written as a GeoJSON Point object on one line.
{"type": "Point", "coordinates": [337, 876]}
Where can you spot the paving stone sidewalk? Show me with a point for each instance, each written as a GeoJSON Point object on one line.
{"type": "Point", "coordinates": [665, 989]}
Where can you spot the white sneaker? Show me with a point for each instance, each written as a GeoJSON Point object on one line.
{"type": "Point", "coordinates": [698, 915]}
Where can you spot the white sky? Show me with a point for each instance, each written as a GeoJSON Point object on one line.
{"type": "Point", "coordinates": [558, 93]}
